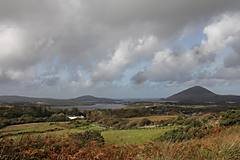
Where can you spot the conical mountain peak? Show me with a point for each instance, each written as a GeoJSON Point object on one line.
{"type": "Point", "coordinates": [194, 94]}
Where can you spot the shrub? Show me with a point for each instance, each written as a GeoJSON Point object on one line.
{"type": "Point", "coordinates": [230, 118]}
{"type": "Point", "coordinates": [144, 122]}
{"type": "Point", "coordinates": [89, 136]}
{"type": "Point", "coordinates": [195, 124]}
{"type": "Point", "coordinates": [131, 124]}
{"type": "Point", "coordinates": [189, 120]}
{"type": "Point", "coordinates": [206, 117]}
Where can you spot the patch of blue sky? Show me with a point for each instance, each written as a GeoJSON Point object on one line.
{"type": "Point", "coordinates": [190, 41]}
{"type": "Point", "coordinates": [46, 67]}
{"type": "Point", "coordinates": [49, 70]}
{"type": "Point", "coordinates": [40, 69]}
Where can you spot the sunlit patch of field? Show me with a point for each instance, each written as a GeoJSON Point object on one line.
{"type": "Point", "coordinates": [135, 136]}
{"type": "Point", "coordinates": [154, 118]}
{"type": "Point", "coordinates": [198, 106]}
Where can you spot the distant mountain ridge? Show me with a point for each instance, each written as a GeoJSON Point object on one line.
{"type": "Point", "coordinates": [200, 94]}
{"type": "Point", "coordinates": [87, 98]}
{"type": "Point", "coordinates": [14, 99]}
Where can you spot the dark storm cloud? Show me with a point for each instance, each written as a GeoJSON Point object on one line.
{"type": "Point", "coordinates": [163, 18]}
{"type": "Point", "coordinates": [139, 78]}
{"type": "Point", "coordinates": [233, 58]}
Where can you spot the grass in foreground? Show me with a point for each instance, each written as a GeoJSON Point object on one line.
{"type": "Point", "coordinates": [222, 145]}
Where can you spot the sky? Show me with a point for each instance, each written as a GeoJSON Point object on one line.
{"type": "Point", "coordinates": [118, 48]}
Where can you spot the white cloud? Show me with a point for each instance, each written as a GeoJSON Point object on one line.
{"type": "Point", "coordinates": [11, 43]}
{"type": "Point", "coordinates": [220, 33]}
{"type": "Point", "coordinates": [127, 53]}
{"type": "Point", "coordinates": [174, 66]}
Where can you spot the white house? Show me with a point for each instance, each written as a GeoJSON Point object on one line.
{"type": "Point", "coordinates": [75, 117]}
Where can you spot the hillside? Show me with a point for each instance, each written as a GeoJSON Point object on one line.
{"type": "Point", "coordinates": [200, 94]}
{"type": "Point", "coordinates": [15, 99]}
{"type": "Point", "coordinates": [89, 98]}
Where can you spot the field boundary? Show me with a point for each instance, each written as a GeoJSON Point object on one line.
{"type": "Point", "coordinates": [30, 132]}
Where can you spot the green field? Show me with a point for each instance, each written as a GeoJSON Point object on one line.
{"type": "Point", "coordinates": [28, 127]}
{"type": "Point", "coordinates": [43, 129]}
{"type": "Point", "coordinates": [137, 136]}
{"type": "Point", "coordinates": [118, 137]}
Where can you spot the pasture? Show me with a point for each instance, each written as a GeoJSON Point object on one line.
{"type": "Point", "coordinates": [134, 136]}
{"type": "Point", "coordinates": [117, 137]}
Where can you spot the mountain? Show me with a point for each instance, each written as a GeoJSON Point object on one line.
{"type": "Point", "coordinates": [89, 98]}
{"type": "Point", "coordinates": [200, 94]}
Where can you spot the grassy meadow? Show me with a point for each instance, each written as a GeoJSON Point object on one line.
{"type": "Point", "coordinates": [137, 136]}
{"type": "Point", "coordinates": [116, 137]}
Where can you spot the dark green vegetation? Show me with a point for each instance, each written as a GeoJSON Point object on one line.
{"type": "Point", "coordinates": [11, 115]}
{"type": "Point", "coordinates": [110, 118]}
{"type": "Point", "coordinates": [200, 126]}
{"type": "Point", "coordinates": [66, 103]}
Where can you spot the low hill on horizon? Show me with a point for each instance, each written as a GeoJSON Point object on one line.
{"type": "Point", "coordinates": [89, 98]}
{"type": "Point", "coordinates": [200, 94]}
{"type": "Point", "coordinates": [18, 99]}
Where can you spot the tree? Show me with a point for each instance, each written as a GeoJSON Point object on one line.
{"type": "Point", "coordinates": [89, 136]}
{"type": "Point", "coordinates": [75, 111]}
{"type": "Point", "coordinates": [144, 122]}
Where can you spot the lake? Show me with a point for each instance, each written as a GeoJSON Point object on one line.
{"type": "Point", "coordinates": [95, 106]}
{"type": "Point", "coordinates": [116, 104]}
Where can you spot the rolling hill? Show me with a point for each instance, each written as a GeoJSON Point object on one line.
{"type": "Point", "coordinates": [200, 94]}
{"type": "Point", "coordinates": [87, 98]}
{"type": "Point", "coordinates": [15, 99]}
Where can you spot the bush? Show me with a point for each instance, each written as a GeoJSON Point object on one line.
{"type": "Point", "coordinates": [195, 124]}
{"type": "Point", "coordinates": [175, 135]}
{"type": "Point", "coordinates": [230, 118]}
{"type": "Point", "coordinates": [89, 136]}
{"type": "Point", "coordinates": [144, 122]}
{"type": "Point", "coordinates": [131, 124]}
{"type": "Point", "coordinates": [189, 120]}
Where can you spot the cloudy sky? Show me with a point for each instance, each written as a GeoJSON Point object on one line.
{"type": "Point", "coordinates": [118, 48]}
